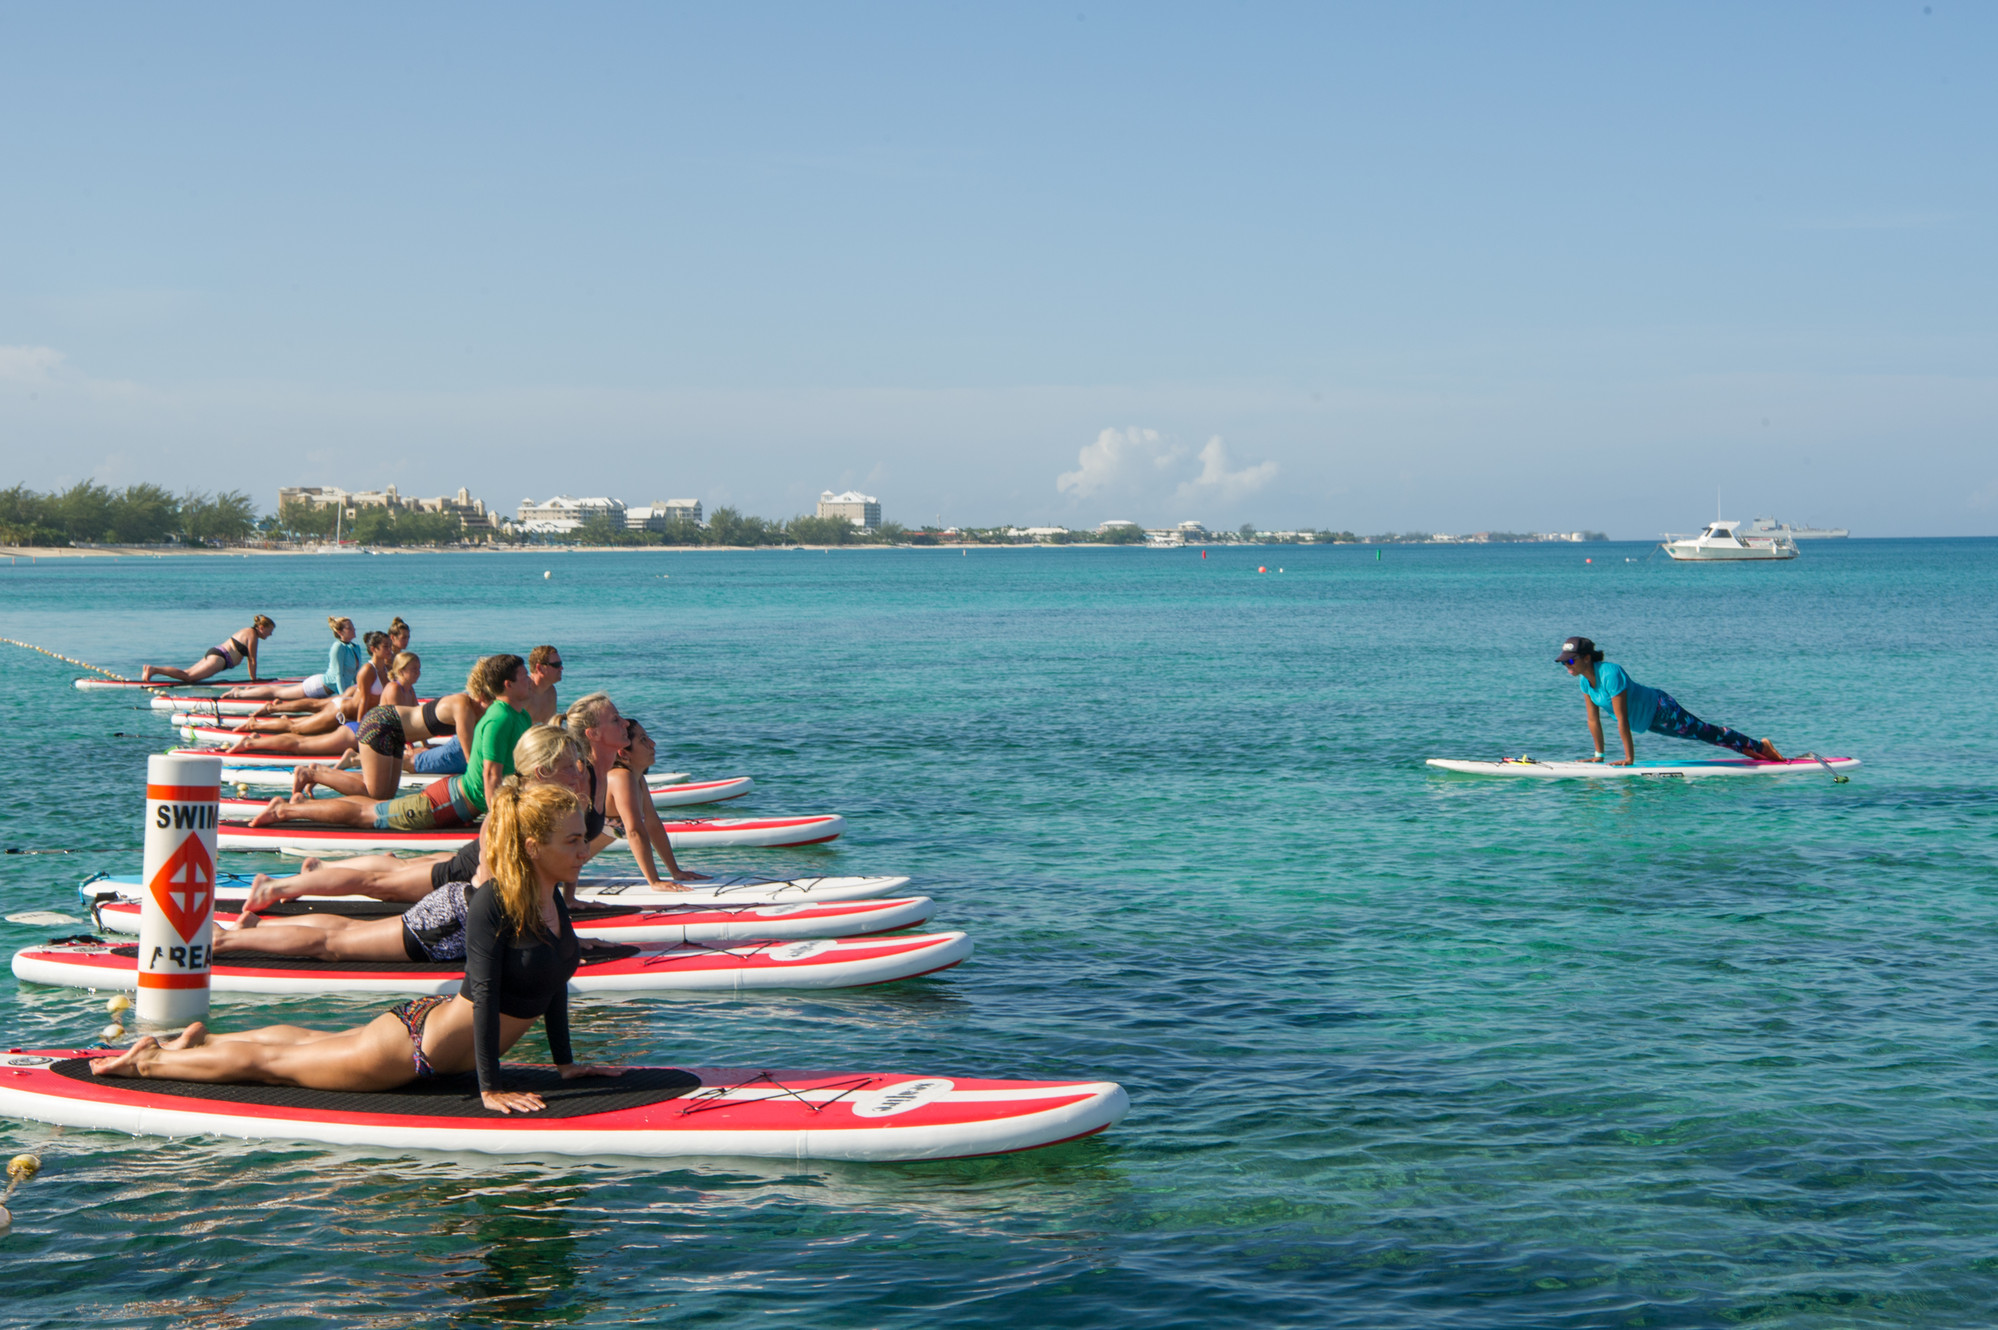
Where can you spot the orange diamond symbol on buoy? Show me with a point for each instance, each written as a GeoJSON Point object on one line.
{"type": "Point", "coordinates": [185, 887]}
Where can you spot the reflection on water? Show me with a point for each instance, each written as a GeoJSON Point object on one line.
{"type": "Point", "coordinates": [527, 1259]}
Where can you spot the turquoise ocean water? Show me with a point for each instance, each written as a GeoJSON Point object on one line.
{"type": "Point", "coordinates": [1404, 1049]}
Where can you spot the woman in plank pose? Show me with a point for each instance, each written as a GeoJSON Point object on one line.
{"type": "Point", "coordinates": [433, 929]}
{"type": "Point", "coordinates": [343, 662]}
{"type": "Point", "coordinates": [520, 952]}
{"type": "Point", "coordinates": [1637, 708]}
{"type": "Point", "coordinates": [232, 651]}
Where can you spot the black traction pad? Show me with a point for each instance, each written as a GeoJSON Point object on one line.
{"type": "Point", "coordinates": [256, 960]}
{"type": "Point", "coordinates": [455, 1096]}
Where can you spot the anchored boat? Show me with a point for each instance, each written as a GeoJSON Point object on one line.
{"type": "Point", "coordinates": [1721, 541]}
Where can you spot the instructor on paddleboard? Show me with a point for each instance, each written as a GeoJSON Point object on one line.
{"type": "Point", "coordinates": [1606, 685]}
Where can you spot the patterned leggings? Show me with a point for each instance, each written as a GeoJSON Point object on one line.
{"type": "Point", "coordinates": [1675, 720]}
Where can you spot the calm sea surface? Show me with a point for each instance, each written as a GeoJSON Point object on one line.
{"type": "Point", "coordinates": [1404, 1049]}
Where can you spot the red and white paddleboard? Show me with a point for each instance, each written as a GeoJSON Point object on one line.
{"type": "Point", "coordinates": [247, 759]}
{"type": "Point", "coordinates": [629, 890]}
{"type": "Point", "coordinates": [105, 685]}
{"type": "Point", "coordinates": [694, 833]}
{"type": "Point", "coordinates": [648, 1112]}
{"type": "Point", "coordinates": [674, 924]}
{"type": "Point", "coordinates": [669, 789]}
{"type": "Point", "coordinates": [805, 963]}
{"type": "Point", "coordinates": [195, 710]}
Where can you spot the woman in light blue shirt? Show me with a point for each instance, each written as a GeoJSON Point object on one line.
{"type": "Point", "coordinates": [1637, 708]}
{"type": "Point", "coordinates": [343, 663]}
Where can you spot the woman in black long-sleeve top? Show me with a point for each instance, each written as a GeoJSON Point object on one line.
{"type": "Point", "coordinates": [520, 954]}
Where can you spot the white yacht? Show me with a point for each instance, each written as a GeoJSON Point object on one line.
{"type": "Point", "coordinates": [1720, 541]}
{"type": "Point", "coordinates": [1769, 526]}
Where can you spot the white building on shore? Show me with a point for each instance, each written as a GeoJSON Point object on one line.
{"type": "Point", "coordinates": [863, 510]}
{"type": "Point", "coordinates": [564, 509]}
{"type": "Point", "coordinates": [661, 513]}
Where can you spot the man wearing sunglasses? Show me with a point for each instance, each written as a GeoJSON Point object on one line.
{"type": "Point", "coordinates": [1637, 708]}
{"type": "Point", "coordinates": [544, 671]}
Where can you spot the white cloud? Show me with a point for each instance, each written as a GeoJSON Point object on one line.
{"type": "Point", "coordinates": [1121, 461]}
{"type": "Point", "coordinates": [29, 364]}
{"type": "Point", "coordinates": [1217, 481]}
{"type": "Point", "coordinates": [1147, 469]}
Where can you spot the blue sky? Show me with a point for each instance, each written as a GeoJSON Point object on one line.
{"type": "Point", "coordinates": [1444, 267]}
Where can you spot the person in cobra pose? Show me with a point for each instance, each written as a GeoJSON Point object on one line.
{"type": "Point", "coordinates": [520, 952]}
{"type": "Point", "coordinates": [1605, 686]}
{"type": "Point", "coordinates": [453, 801]}
{"type": "Point", "coordinates": [343, 662]}
{"type": "Point", "coordinates": [334, 727]}
{"type": "Point", "coordinates": [629, 807]}
{"type": "Point", "coordinates": [233, 650]}
{"type": "Point", "coordinates": [433, 928]}
{"type": "Point", "coordinates": [544, 670]}
{"type": "Point", "coordinates": [385, 741]}
{"type": "Point", "coordinates": [539, 755]}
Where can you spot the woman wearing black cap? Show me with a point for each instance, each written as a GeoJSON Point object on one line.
{"type": "Point", "coordinates": [1638, 708]}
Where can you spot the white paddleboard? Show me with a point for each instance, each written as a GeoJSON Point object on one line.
{"type": "Point", "coordinates": [660, 1113]}
{"type": "Point", "coordinates": [1718, 766]}
{"type": "Point", "coordinates": [610, 888]}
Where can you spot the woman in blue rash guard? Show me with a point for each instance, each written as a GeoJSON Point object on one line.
{"type": "Point", "coordinates": [1606, 686]}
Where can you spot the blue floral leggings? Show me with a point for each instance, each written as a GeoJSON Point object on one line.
{"type": "Point", "coordinates": [1675, 720]}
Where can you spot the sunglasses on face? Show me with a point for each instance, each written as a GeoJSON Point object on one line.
{"type": "Point", "coordinates": [1569, 660]}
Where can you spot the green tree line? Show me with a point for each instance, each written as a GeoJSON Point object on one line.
{"type": "Point", "coordinates": [89, 513]}
{"type": "Point", "coordinates": [370, 525]}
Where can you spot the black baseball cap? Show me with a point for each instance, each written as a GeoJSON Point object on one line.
{"type": "Point", "coordinates": [1580, 647]}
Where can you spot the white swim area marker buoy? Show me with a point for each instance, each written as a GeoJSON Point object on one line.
{"type": "Point", "coordinates": [545, 574]}
{"type": "Point", "coordinates": [177, 915]}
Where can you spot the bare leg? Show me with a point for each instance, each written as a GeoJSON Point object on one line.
{"type": "Point", "coordinates": [125, 1062]}
{"type": "Point", "coordinates": [194, 1034]}
{"type": "Point", "coordinates": [374, 1057]}
{"type": "Point", "coordinates": [354, 783]}
{"type": "Point", "coordinates": [326, 812]}
{"type": "Point", "coordinates": [382, 876]}
{"type": "Point", "coordinates": [1769, 752]}
{"type": "Point", "coordinates": [321, 937]}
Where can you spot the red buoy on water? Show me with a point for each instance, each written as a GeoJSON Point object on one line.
{"type": "Point", "coordinates": [1261, 569]}
{"type": "Point", "coordinates": [1203, 554]}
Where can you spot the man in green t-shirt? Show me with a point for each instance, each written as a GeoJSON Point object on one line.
{"type": "Point", "coordinates": [491, 758]}
{"type": "Point", "coordinates": [454, 801]}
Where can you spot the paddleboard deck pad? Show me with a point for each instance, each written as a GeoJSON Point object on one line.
{"type": "Point", "coordinates": [648, 1112]}
{"type": "Point", "coordinates": [1717, 766]}
{"type": "Point", "coordinates": [632, 891]}
{"type": "Point", "coordinates": [691, 834]}
{"type": "Point", "coordinates": [671, 924]}
{"type": "Point", "coordinates": [694, 967]}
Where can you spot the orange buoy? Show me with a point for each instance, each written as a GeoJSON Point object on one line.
{"type": "Point", "coordinates": [1261, 569]}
